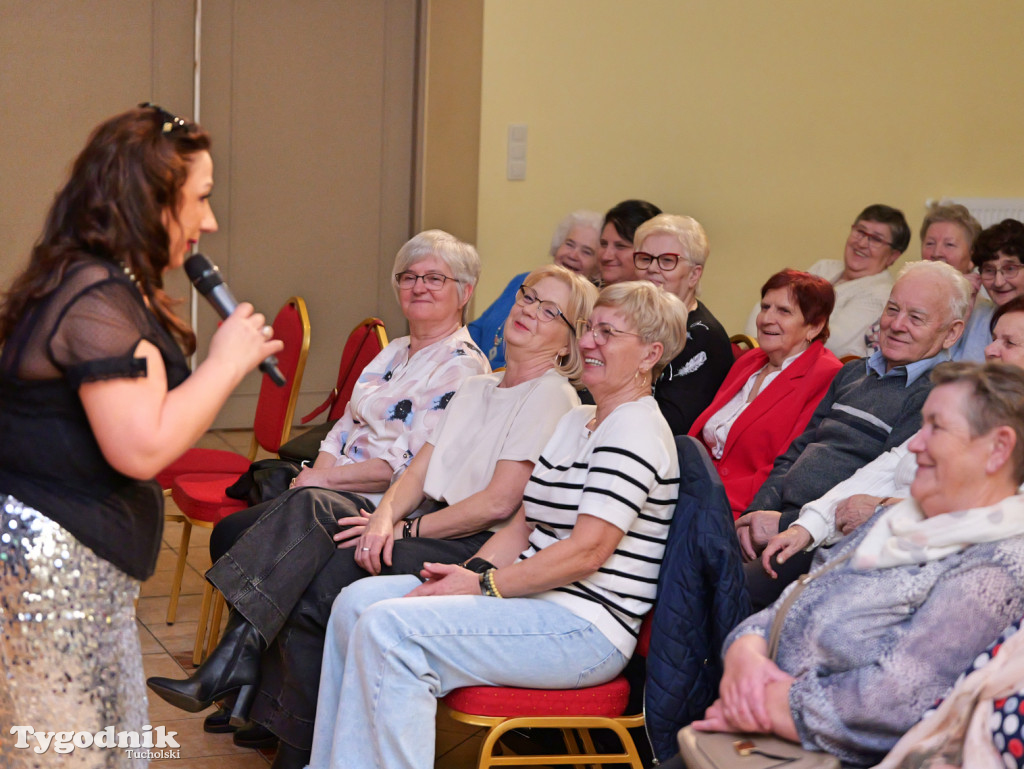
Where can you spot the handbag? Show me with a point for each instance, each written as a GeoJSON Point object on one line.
{"type": "Point", "coordinates": [729, 750]}
{"type": "Point", "coordinates": [266, 479]}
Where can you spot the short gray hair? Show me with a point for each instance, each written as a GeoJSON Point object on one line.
{"type": "Point", "coordinates": [954, 213]}
{"type": "Point", "coordinates": [687, 230]}
{"type": "Point", "coordinates": [996, 399]}
{"type": "Point", "coordinates": [657, 315]}
{"type": "Point", "coordinates": [960, 288]}
{"type": "Point", "coordinates": [592, 220]}
{"type": "Point", "coordinates": [461, 258]}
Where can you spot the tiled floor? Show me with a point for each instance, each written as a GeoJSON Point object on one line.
{"type": "Point", "coordinates": [163, 645]}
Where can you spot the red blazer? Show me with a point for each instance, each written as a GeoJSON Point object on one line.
{"type": "Point", "coordinates": [764, 430]}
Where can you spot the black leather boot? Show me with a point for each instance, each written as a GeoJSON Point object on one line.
{"type": "Point", "coordinates": [290, 757]}
{"type": "Point", "coordinates": [233, 665]}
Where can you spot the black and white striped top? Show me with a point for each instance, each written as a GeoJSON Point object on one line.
{"type": "Point", "coordinates": [627, 473]}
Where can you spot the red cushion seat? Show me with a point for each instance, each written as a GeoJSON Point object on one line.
{"type": "Point", "coordinates": [201, 497]}
{"type": "Point", "coordinates": [203, 461]}
{"type": "Point", "coordinates": [606, 700]}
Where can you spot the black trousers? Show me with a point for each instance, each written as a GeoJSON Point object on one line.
{"type": "Point", "coordinates": [283, 574]}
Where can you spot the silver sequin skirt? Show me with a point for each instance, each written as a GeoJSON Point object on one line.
{"type": "Point", "coordinates": [69, 648]}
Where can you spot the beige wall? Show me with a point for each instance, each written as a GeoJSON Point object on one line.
{"type": "Point", "coordinates": [771, 121]}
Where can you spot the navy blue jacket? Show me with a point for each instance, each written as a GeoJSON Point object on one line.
{"type": "Point", "coordinates": [701, 597]}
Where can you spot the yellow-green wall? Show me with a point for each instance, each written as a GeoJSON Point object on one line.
{"type": "Point", "coordinates": [773, 122]}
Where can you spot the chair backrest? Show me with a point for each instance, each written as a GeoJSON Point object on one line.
{"type": "Point", "coordinates": [740, 344]}
{"type": "Point", "coordinates": [364, 343]}
{"type": "Point", "coordinates": [276, 405]}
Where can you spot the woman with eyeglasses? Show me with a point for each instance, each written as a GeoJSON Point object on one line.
{"type": "Point", "coordinates": [95, 399]}
{"type": "Point", "coordinates": [574, 246]}
{"type": "Point", "coordinates": [464, 484]}
{"type": "Point", "coordinates": [562, 589]}
{"type": "Point", "coordinates": [671, 253]}
{"type": "Point", "coordinates": [771, 392]}
{"type": "Point", "coordinates": [998, 252]}
{"type": "Point", "coordinates": [401, 394]}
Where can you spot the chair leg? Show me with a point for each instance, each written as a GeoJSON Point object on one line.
{"type": "Point", "coordinates": [179, 572]}
{"type": "Point", "coordinates": [204, 618]}
{"type": "Point", "coordinates": [218, 611]}
{"type": "Point", "coordinates": [569, 735]}
{"type": "Point", "coordinates": [588, 744]}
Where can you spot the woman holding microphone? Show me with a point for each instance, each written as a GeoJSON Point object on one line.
{"type": "Point", "coordinates": [95, 398]}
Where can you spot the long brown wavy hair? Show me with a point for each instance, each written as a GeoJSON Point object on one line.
{"type": "Point", "coordinates": [131, 171]}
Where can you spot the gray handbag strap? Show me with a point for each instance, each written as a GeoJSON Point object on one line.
{"type": "Point", "coordinates": [790, 599]}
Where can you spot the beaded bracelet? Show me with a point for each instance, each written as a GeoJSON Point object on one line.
{"type": "Point", "coordinates": [487, 581]}
{"type": "Point", "coordinates": [406, 529]}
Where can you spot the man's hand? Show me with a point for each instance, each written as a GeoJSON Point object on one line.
{"type": "Point", "coordinates": [755, 529]}
{"type": "Point", "coordinates": [853, 511]}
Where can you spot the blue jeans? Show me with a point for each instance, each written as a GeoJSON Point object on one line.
{"type": "Point", "coordinates": [402, 654]}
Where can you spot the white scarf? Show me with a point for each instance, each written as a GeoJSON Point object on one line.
{"type": "Point", "coordinates": [904, 536]}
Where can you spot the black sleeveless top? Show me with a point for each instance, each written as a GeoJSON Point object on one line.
{"type": "Point", "coordinates": [84, 331]}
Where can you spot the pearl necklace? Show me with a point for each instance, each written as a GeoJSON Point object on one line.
{"type": "Point", "coordinates": [131, 276]}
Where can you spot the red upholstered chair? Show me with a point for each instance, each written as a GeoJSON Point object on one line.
{"type": "Point", "coordinates": [573, 711]}
{"type": "Point", "coordinates": [367, 339]}
{"type": "Point", "coordinates": [741, 343]}
{"type": "Point", "coordinates": [200, 496]}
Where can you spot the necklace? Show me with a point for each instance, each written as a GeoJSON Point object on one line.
{"type": "Point", "coordinates": [131, 275]}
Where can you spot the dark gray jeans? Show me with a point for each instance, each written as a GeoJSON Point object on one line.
{"type": "Point", "coordinates": [283, 575]}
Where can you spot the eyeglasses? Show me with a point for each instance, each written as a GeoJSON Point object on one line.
{"type": "Point", "coordinates": [604, 331]}
{"type": "Point", "coordinates": [546, 311]}
{"type": "Point", "coordinates": [169, 123]}
{"type": "Point", "coordinates": [1008, 271]}
{"type": "Point", "coordinates": [666, 262]}
{"type": "Point", "coordinates": [872, 238]}
{"type": "Point", "coordinates": [434, 281]}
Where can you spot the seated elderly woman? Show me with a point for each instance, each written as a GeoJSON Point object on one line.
{"type": "Point", "coordinates": [573, 246]}
{"type": "Point", "coordinates": [402, 392]}
{"type": "Point", "coordinates": [466, 482]}
{"type": "Point", "coordinates": [887, 619]}
{"type": "Point", "coordinates": [579, 564]}
{"type": "Point", "coordinates": [770, 393]}
{"type": "Point", "coordinates": [671, 253]}
{"type": "Point", "coordinates": [997, 254]}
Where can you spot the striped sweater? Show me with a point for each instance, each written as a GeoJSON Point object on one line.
{"type": "Point", "coordinates": [625, 472]}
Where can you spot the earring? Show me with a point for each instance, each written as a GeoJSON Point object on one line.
{"type": "Point", "coordinates": [640, 377]}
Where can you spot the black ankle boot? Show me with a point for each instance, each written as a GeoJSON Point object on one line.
{"type": "Point", "coordinates": [234, 664]}
{"type": "Point", "coordinates": [290, 757]}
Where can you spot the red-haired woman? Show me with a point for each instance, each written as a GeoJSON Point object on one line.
{"type": "Point", "coordinates": [771, 392]}
{"type": "Point", "coordinates": [95, 398]}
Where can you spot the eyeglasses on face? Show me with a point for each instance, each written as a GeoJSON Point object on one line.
{"type": "Point", "coordinates": [875, 241]}
{"type": "Point", "coordinates": [547, 311]}
{"type": "Point", "coordinates": [434, 281]}
{"type": "Point", "coordinates": [1008, 271]}
{"type": "Point", "coordinates": [667, 262]}
{"type": "Point", "coordinates": [168, 123]}
{"type": "Point", "coordinates": [604, 331]}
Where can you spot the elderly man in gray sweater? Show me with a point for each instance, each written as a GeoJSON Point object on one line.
{"type": "Point", "coordinates": [873, 405]}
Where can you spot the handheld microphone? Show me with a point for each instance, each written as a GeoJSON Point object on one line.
{"type": "Point", "coordinates": [207, 279]}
